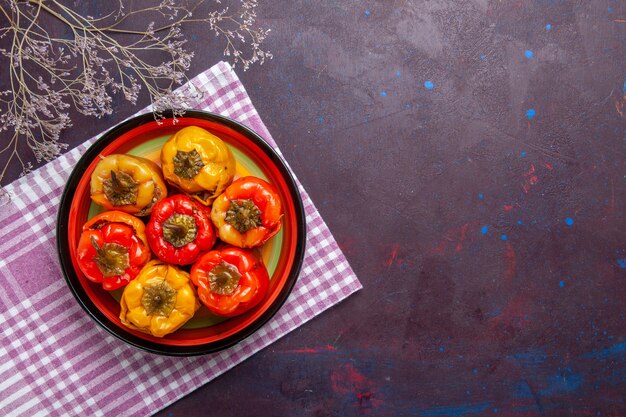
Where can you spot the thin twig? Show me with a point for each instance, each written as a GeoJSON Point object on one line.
{"type": "Point", "coordinates": [48, 74]}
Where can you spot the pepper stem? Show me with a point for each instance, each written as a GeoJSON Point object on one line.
{"type": "Point", "coordinates": [159, 298]}
{"type": "Point", "coordinates": [179, 229]}
{"type": "Point", "coordinates": [115, 181]}
{"type": "Point", "coordinates": [243, 215]}
{"type": "Point", "coordinates": [224, 278]}
{"type": "Point", "coordinates": [95, 245]}
{"type": "Point", "coordinates": [187, 164]}
{"type": "Point", "coordinates": [121, 188]}
{"type": "Point", "coordinates": [111, 258]}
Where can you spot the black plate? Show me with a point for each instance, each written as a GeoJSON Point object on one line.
{"type": "Point", "coordinates": [88, 305]}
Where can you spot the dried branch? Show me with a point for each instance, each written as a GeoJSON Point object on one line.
{"type": "Point", "coordinates": [99, 57]}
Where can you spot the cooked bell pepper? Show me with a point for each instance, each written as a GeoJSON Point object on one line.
{"type": "Point", "coordinates": [127, 183]}
{"type": "Point", "coordinates": [198, 162]}
{"type": "Point", "coordinates": [230, 281]}
{"type": "Point", "coordinates": [180, 230]}
{"type": "Point", "coordinates": [247, 213]}
{"type": "Point", "coordinates": [112, 249]}
{"type": "Point", "coordinates": [159, 301]}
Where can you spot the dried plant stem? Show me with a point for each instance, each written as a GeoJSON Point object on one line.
{"type": "Point", "coordinates": [49, 74]}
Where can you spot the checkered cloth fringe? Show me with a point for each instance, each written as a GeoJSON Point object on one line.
{"type": "Point", "coordinates": [55, 360]}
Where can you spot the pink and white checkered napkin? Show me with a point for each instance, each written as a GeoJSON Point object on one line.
{"type": "Point", "coordinates": [55, 360]}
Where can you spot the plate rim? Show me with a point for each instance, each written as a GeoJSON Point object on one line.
{"type": "Point", "coordinates": [62, 245]}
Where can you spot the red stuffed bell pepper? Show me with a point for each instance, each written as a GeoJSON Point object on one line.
{"type": "Point", "coordinates": [179, 230]}
{"type": "Point", "coordinates": [230, 281]}
{"type": "Point", "coordinates": [112, 249]}
{"type": "Point", "coordinates": [247, 213]}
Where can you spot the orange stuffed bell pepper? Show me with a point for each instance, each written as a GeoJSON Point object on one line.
{"type": "Point", "coordinates": [112, 249]}
{"type": "Point", "coordinates": [159, 301]}
{"type": "Point", "coordinates": [230, 281]}
{"type": "Point", "coordinates": [198, 162]}
{"type": "Point", "coordinates": [247, 213]}
{"type": "Point", "coordinates": [127, 183]}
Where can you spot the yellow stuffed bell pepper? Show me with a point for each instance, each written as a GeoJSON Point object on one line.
{"type": "Point", "coordinates": [127, 183]}
{"type": "Point", "coordinates": [198, 162]}
{"type": "Point", "coordinates": [159, 301]}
